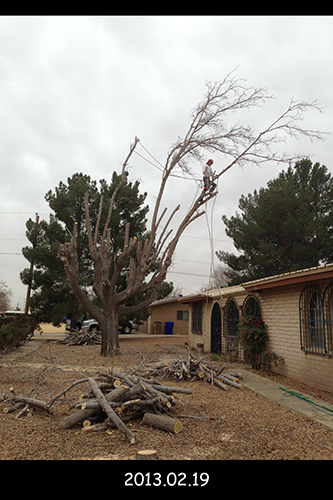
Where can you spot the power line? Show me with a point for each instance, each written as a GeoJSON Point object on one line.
{"type": "Point", "coordinates": [23, 213]}
{"type": "Point", "coordinates": [192, 261]}
{"type": "Point", "coordinates": [151, 155]}
{"type": "Point", "coordinates": [18, 213]}
{"type": "Point", "coordinates": [10, 253]}
{"type": "Point", "coordinates": [158, 168]}
{"type": "Point", "coordinates": [189, 274]}
{"type": "Point", "coordinates": [162, 169]}
{"type": "Point", "coordinates": [204, 238]}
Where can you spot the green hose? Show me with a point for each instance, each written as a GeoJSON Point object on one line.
{"type": "Point", "coordinates": [306, 399]}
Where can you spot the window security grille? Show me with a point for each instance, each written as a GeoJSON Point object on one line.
{"type": "Point", "coordinates": [251, 307]}
{"type": "Point", "coordinates": [316, 320]}
{"type": "Point", "coordinates": [230, 318]}
{"type": "Point", "coordinates": [197, 317]}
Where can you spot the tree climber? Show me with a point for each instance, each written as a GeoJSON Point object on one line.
{"type": "Point", "coordinates": [208, 176]}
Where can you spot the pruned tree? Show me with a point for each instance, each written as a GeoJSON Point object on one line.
{"type": "Point", "coordinates": [52, 297]}
{"type": "Point", "coordinates": [145, 264]}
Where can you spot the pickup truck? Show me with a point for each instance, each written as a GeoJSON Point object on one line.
{"type": "Point", "coordinates": [92, 326]}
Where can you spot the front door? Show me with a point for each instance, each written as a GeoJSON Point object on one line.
{"type": "Point", "coordinates": [215, 330]}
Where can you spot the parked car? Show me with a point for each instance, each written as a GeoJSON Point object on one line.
{"type": "Point", "coordinates": [125, 326]}
{"type": "Point", "coordinates": [91, 325]}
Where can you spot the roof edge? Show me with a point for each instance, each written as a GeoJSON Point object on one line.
{"type": "Point", "coordinates": [301, 275]}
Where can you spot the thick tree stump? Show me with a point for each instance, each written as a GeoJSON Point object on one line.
{"type": "Point", "coordinates": [147, 455]}
{"type": "Point", "coordinates": [163, 422]}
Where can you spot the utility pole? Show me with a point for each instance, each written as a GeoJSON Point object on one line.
{"type": "Point", "coordinates": [34, 243]}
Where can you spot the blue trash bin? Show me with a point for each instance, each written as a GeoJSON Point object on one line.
{"type": "Point", "coordinates": [168, 327]}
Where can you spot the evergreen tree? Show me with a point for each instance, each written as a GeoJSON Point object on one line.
{"type": "Point", "coordinates": [52, 298]}
{"type": "Point", "coordinates": [284, 227]}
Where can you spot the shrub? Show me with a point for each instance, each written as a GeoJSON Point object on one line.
{"type": "Point", "coordinates": [15, 330]}
{"type": "Point", "coordinates": [252, 336]}
{"type": "Point", "coordinates": [265, 360]}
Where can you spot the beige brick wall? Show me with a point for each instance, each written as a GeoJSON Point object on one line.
{"type": "Point", "coordinates": [207, 307]}
{"type": "Point", "coordinates": [280, 311]}
{"type": "Point", "coordinates": [280, 307]}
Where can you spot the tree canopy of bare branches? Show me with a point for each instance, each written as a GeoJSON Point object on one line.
{"type": "Point", "coordinates": [5, 296]}
{"type": "Point", "coordinates": [145, 263]}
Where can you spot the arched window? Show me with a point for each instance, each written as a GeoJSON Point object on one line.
{"type": "Point", "coordinates": [230, 318]}
{"type": "Point", "coordinates": [251, 307]}
{"type": "Point", "coordinates": [328, 317]}
{"type": "Point", "coordinates": [312, 320]}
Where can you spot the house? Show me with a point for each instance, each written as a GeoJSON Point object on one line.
{"type": "Point", "coordinates": [169, 310]}
{"type": "Point", "coordinates": [297, 307]}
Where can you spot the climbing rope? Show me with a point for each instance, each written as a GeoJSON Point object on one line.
{"type": "Point", "coordinates": [210, 228]}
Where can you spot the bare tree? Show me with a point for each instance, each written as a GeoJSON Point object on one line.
{"type": "Point", "coordinates": [145, 264]}
{"type": "Point", "coordinates": [218, 279]}
{"type": "Point", "coordinates": [5, 296]}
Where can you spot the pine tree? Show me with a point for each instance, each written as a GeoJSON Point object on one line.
{"type": "Point", "coordinates": [284, 227]}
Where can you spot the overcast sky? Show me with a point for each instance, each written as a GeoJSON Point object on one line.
{"type": "Point", "coordinates": [75, 91]}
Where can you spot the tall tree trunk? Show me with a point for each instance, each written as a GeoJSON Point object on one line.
{"type": "Point", "coordinates": [110, 331]}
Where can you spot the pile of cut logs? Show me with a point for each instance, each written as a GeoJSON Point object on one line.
{"type": "Point", "coordinates": [121, 397]}
{"type": "Point", "coordinates": [195, 369]}
{"type": "Point", "coordinates": [114, 398]}
{"type": "Point", "coordinates": [117, 397]}
{"type": "Point", "coordinates": [80, 338]}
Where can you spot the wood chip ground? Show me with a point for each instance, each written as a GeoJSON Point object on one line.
{"type": "Point", "coordinates": [216, 424]}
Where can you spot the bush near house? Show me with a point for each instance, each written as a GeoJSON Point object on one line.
{"type": "Point", "coordinates": [252, 336]}
{"type": "Point", "coordinates": [14, 331]}
{"type": "Point", "coordinates": [268, 358]}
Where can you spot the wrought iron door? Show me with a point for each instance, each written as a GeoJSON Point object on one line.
{"type": "Point", "coordinates": [215, 329]}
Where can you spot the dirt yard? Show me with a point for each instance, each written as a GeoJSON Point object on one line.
{"type": "Point", "coordinates": [217, 424]}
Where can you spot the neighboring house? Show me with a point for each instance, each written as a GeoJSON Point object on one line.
{"type": "Point", "coordinates": [169, 310]}
{"type": "Point", "coordinates": [297, 307]}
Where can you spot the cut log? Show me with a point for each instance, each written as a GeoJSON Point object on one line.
{"type": "Point", "coordinates": [131, 402]}
{"type": "Point", "coordinates": [163, 422]}
{"type": "Point", "coordinates": [220, 384]}
{"type": "Point", "coordinates": [132, 438]}
{"type": "Point", "coordinates": [230, 382]}
{"type": "Point", "coordinates": [28, 401]}
{"type": "Point", "coordinates": [170, 390]}
{"type": "Point", "coordinates": [147, 455]}
{"type": "Point", "coordinates": [93, 404]}
{"type": "Point", "coordinates": [117, 393]}
{"type": "Point", "coordinates": [96, 427]}
{"type": "Point", "coordinates": [78, 417]}
{"type": "Point", "coordinates": [237, 375]}
{"type": "Point", "coordinates": [20, 413]}
{"type": "Point", "coordinates": [12, 408]}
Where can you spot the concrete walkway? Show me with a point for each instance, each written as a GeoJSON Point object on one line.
{"type": "Point", "coordinates": [271, 390]}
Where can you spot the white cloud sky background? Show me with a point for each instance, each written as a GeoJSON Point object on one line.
{"type": "Point", "coordinates": [75, 91]}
